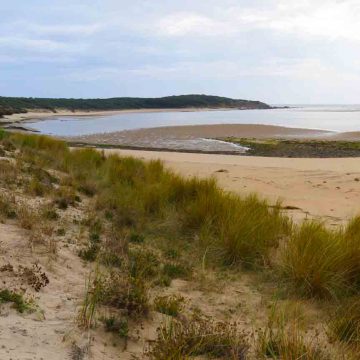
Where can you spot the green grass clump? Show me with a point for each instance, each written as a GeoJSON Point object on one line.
{"type": "Point", "coordinates": [344, 322]}
{"type": "Point", "coordinates": [169, 305]}
{"type": "Point", "coordinates": [17, 299]}
{"type": "Point", "coordinates": [93, 296]}
{"type": "Point", "coordinates": [283, 338]}
{"type": "Point", "coordinates": [319, 262]}
{"type": "Point", "coordinates": [312, 260]}
{"type": "Point", "coordinates": [178, 340]}
{"type": "Point", "coordinates": [288, 344]}
{"type": "Point", "coordinates": [351, 249]}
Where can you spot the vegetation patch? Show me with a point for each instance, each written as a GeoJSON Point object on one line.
{"type": "Point", "coordinates": [298, 148]}
{"type": "Point", "coordinates": [170, 305]}
{"type": "Point", "coordinates": [344, 323]}
{"type": "Point", "coordinates": [196, 337]}
{"type": "Point", "coordinates": [17, 299]}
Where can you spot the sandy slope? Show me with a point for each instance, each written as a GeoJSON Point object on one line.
{"type": "Point", "coordinates": [325, 188]}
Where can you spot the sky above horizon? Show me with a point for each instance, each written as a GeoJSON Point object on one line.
{"type": "Point", "coordinates": [277, 51]}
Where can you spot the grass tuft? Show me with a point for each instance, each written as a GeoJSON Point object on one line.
{"type": "Point", "coordinates": [178, 340]}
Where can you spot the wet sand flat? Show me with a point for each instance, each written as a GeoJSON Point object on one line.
{"type": "Point", "coordinates": [195, 137]}
{"type": "Point", "coordinates": [202, 131]}
{"type": "Point", "coordinates": [322, 188]}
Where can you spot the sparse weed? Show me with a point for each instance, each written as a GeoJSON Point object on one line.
{"type": "Point", "coordinates": [169, 305]}
{"type": "Point", "coordinates": [178, 340]}
{"type": "Point", "coordinates": [93, 296]}
{"type": "Point", "coordinates": [7, 207]}
{"type": "Point", "coordinates": [37, 188]}
{"type": "Point", "coordinates": [285, 340]}
{"type": "Point", "coordinates": [116, 325]}
{"type": "Point", "coordinates": [49, 213]}
{"type": "Point", "coordinates": [27, 217]}
{"type": "Point", "coordinates": [344, 322]}
{"type": "Point", "coordinates": [65, 197]}
{"type": "Point", "coordinates": [176, 270]}
{"type": "Point", "coordinates": [126, 293]}
{"type": "Point", "coordinates": [143, 264]}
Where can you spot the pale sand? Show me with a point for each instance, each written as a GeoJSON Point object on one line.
{"type": "Point", "coordinates": [324, 188]}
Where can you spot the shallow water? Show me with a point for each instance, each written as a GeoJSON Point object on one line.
{"type": "Point", "coordinates": [330, 117]}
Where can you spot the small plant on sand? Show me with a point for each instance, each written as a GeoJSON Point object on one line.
{"type": "Point", "coordinates": [64, 197]}
{"type": "Point", "coordinates": [37, 188]}
{"type": "Point", "coordinates": [27, 217]}
{"type": "Point", "coordinates": [49, 213]}
{"type": "Point", "coordinates": [169, 305]}
{"type": "Point", "coordinates": [90, 252]}
{"type": "Point", "coordinates": [176, 270]}
{"type": "Point", "coordinates": [19, 303]}
{"type": "Point", "coordinates": [7, 207]}
{"type": "Point", "coordinates": [119, 326]}
{"type": "Point", "coordinates": [194, 337]}
{"type": "Point", "coordinates": [93, 297]}
{"type": "Point", "coordinates": [126, 293]}
{"type": "Point", "coordinates": [143, 263]}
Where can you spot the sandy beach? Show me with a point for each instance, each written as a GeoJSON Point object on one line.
{"type": "Point", "coordinates": [45, 114]}
{"type": "Point", "coordinates": [328, 189]}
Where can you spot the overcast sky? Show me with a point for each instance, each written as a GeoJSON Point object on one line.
{"type": "Point", "coordinates": [278, 51]}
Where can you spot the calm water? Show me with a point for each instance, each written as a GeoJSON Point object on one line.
{"type": "Point", "coordinates": [334, 117]}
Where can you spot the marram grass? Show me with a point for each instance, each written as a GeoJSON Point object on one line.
{"type": "Point", "coordinates": [241, 230]}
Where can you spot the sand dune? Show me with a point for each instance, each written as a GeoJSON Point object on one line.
{"type": "Point", "coordinates": [321, 188]}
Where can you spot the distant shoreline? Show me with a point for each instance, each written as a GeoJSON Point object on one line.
{"type": "Point", "coordinates": [47, 114]}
